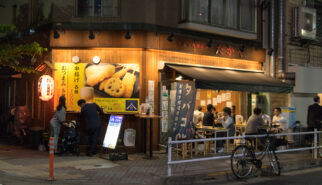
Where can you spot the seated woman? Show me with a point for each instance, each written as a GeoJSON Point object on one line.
{"type": "Point", "coordinates": [228, 123]}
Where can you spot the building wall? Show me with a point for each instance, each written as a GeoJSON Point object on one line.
{"type": "Point", "coordinates": [301, 53]}
{"type": "Point", "coordinates": [165, 12]}
{"type": "Point", "coordinates": [306, 54]}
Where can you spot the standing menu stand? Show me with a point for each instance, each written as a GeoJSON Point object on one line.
{"type": "Point", "coordinates": [144, 119]}
{"type": "Point", "coordinates": [111, 137]}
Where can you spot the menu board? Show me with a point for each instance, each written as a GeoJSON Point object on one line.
{"type": "Point", "coordinates": [115, 86]}
{"type": "Point", "coordinates": [112, 131]}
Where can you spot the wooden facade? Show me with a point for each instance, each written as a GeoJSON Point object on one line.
{"type": "Point", "coordinates": [149, 50]}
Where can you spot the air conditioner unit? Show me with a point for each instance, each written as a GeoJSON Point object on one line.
{"type": "Point", "coordinates": [304, 23]}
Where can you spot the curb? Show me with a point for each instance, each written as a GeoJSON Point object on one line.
{"type": "Point", "coordinates": [227, 176]}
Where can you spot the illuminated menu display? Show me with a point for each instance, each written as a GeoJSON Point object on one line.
{"type": "Point", "coordinates": [112, 131]}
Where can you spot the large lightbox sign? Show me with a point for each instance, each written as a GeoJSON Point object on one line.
{"type": "Point", "coordinates": [112, 131]}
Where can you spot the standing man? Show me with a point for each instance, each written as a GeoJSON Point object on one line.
{"type": "Point", "coordinates": [91, 111]}
{"type": "Point", "coordinates": [314, 114]}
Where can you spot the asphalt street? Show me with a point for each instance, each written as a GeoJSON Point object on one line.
{"type": "Point", "coordinates": [310, 176]}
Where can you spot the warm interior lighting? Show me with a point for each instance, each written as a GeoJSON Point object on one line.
{"type": "Point", "coordinates": [179, 78]}
{"type": "Point", "coordinates": [45, 87]}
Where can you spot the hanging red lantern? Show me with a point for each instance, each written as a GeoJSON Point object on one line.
{"type": "Point", "coordinates": [45, 87]}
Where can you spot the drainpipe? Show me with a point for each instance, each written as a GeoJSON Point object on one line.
{"type": "Point", "coordinates": [272, 49]}
{"type": "Point", "coordinates": [281, 41]}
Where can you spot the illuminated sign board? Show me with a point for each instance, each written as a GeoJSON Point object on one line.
{"type": "Point", "coordinates": [112, 131]}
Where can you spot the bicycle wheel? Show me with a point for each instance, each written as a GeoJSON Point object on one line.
{"type": "Point", "coordinates": [242, 161]}
{"type": "Point", "coordinates": [275, 164]}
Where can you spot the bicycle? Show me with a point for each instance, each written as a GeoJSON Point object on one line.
{"type": "Point", "coordinates": [244, 158]}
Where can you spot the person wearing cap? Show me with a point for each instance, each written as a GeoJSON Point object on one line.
{"type": "Point", "coordinates": [57, 120]}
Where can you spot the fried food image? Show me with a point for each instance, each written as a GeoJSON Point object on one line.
{"type": "Point", "coordinates": [102, 84]}
{"type": "Point", "coordinates": [120, 73]}
{"type": "Point", "coordinates": [128, 81]}
{"type": "Point", "coordinates": [97, 73]}
{"type": "Point", "coordinates": [114, 87]}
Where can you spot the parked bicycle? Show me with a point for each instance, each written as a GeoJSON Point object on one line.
{"type": "Point", "coordinates": [244, 158]}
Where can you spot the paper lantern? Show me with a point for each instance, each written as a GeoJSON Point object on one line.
{"type": "Point", "coordinates": [45, 87]}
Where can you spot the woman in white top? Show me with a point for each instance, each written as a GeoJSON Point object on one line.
{"type": "Point", "coordinates": [227, 122]}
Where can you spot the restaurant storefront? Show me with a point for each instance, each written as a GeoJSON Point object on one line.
{"type": "Point", "coordinates": [148, 64]}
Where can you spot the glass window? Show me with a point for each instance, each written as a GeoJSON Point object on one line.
{"type": "Point", "coordinates": [247, 12]}
{"type": "Point", "coordinates": [199, 10]}
{"type": "Point", "coordinates": [217, 12]}
{"type": "Point", "coordinates": [98, 8]}
{"type": "Point", "coordinates": [231, 12]}
{"type": "Point", "coordinates": [84, 7]}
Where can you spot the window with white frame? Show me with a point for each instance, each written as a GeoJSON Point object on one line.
{"type": "Point", "coordinates": [231, 14]}
{"type": "Point", "coordinates": [106, 8]}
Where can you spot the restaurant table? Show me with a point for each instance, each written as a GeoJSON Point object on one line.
{"type": "Point", "coordinates": [241, 127]}
{"type": "Point", "coordinates": [215, 130]}
{"type": "Point", "coordinates": [144, 118]}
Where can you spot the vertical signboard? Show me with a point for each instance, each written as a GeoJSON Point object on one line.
{"type": "Point", "coordinates": [183, 112]}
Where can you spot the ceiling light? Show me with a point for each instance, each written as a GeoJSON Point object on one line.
{"type": "Point", "coordinates": [91, 35]}
{"type": "Point", "coordinates": [128, 35]}
{"type": "Point", "coordinates": [170, 38]}
{"type": "Point", "coordinates": [209, 43]}
{"type": "Point", "coordinates": [270, 52]}
{"type": "Point", "coordinates": [242, 48]}
{"type": "Point", "coordinates": [56, 34]}
{"type": "Point", "coordinates": [179, 78]}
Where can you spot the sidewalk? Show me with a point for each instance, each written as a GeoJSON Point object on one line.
{"type": "Point", "coordinates": [31, 167]}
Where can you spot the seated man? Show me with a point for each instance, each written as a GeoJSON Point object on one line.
{"type": "Point", "coordinates": [254, 122]}
{"type": "Point", "coordinates": [208, 118]}
{"type": "Point", "coordinates": [279, 120]}
{"type": "Point", "coordinates": [198, 116]}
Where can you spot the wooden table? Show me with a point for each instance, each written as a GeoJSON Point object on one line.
{"type": "Point", "coordinates": [215, 130]}
{"type": "Point", "coordinates": [241, 127]}
{"type": "Point", "coordinates": [144, 118]}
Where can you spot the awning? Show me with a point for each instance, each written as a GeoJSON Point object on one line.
{"type": "Point", "coordinates": [225, 79]}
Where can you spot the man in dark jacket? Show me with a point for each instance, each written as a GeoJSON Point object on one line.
{"type": "Point", "coordinates": [91, 112]}
{"type": "Point", "coordinates": [314, 114]}
{"type": "Point", "coordinates": [208, 118]}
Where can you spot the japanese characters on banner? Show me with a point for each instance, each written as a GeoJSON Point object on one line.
{"type": "Point", "coordinates": [183, 113]}
{"type": "Point", "coordinates": [115, 86]}
{"type": "Point", "coordinates": [69, 78]}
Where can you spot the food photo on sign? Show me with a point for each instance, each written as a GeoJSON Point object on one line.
{"type": "Point", "coordinates": [113, 80]}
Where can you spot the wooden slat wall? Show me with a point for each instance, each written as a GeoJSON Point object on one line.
{"type": "Point", "coordinates": [206, 95]}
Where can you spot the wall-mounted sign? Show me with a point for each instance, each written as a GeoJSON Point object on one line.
{"type": "Point", "coordinates": [112, 131]}
{"type": "Point", "coordinates": [45, 87]}
{"type": "Point", "coordinates": [115, 86]}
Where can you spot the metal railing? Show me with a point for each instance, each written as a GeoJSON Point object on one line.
{"type": "Point", "coordinates": [243, 138]}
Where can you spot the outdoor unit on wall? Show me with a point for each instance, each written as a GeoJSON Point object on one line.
{"type": "Point", "coordinates": [304, 23]}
